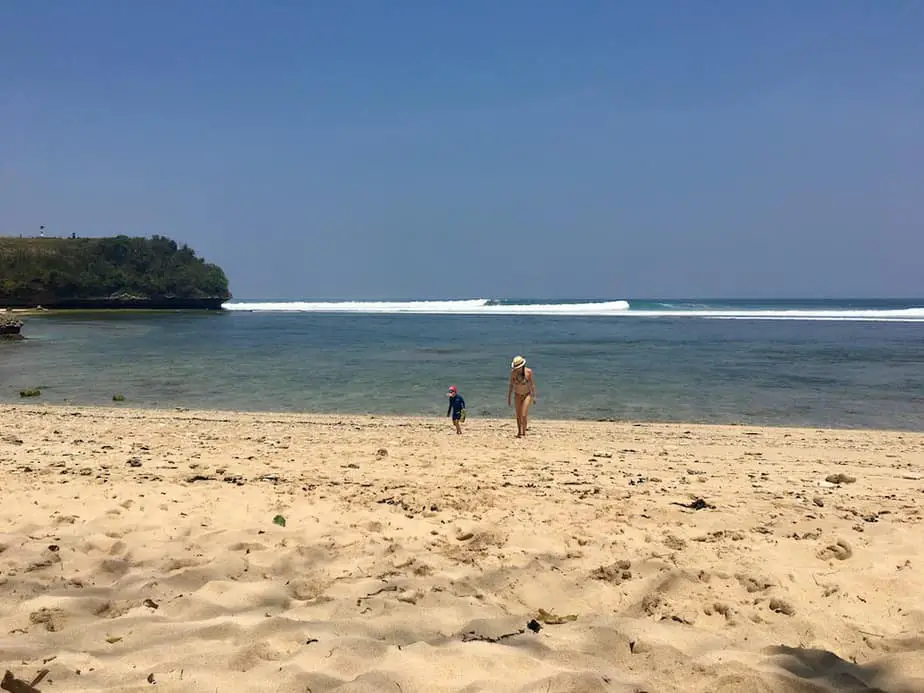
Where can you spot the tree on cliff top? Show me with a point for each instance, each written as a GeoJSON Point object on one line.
{"type": "Point", "coordinates": [48, 269]}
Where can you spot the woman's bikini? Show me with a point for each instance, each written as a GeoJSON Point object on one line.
{"type": "Point", "coordinates": [521, 383]}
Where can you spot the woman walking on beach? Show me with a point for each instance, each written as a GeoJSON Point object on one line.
{"type": "Point", "coordinates": [524, 387]}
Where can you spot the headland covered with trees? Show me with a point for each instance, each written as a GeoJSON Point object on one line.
{"type": "Point", "coordinates": [116, 272]}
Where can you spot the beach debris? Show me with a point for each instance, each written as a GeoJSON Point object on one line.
{"type": "Point", "coordinates": [199, 477]}
{"type": "Point", "coordinates": [12, 440]}
{"type": "Point", "coordinates": [30, 392]}
{"type": "Point", "coordinates": [381, 590]}
{"type": "Point", "coordinates": [150, 679]}
{"type": "Point", "coordinates": [696, 504]}
{"type": "Point", "coordinates": [464, 536]}
{"type": "Point", "coordinates": [381, 453]}
{"type": "Point", "coordinates": [534, 625]}
{"type": "Point", "coordinates": [819, 501]}
{"type": "Point", "coordinates": [603, 455]}
{"type": "Point", "coordinates": [151, 604]}
{"type": "Point", "coordinates": [401, 503]}
{"type": "Point", "coordinates": [113, 639]}
{"type": "Point", "coordinates": [270, 477]}
{"type": "Point", "coordinates": [840, 550]}
{"type": "Point", "coordinates": [840, 478]}
{"type": "Point", "coordinates": [677, 618]}
{"type": "Point", "coordinates": [553, 619]}
{"type": "Point", "coordinates": [234, 479]}
{"type": "Point", "coordinates": [13, 685]}
{"type": "Point", "coordinates": [491, 630]}
{"type": "Point", "coordinates": [279, 520]}
{"type": "Point", "coordinates": [479, 637]}
{"type": "Point", "coordinates": [118, 397]}
{"type": "Point", "coordinates": [134, 462]}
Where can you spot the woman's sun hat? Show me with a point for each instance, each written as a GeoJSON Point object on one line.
{"type": "Point", "coordinates": [518, 362]}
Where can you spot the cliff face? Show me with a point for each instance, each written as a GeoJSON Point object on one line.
{"type": "Point", "coordinates": [118, 272]}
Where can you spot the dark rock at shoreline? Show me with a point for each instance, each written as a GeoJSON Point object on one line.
{"type": "Point", "coordinates": [10, 327]}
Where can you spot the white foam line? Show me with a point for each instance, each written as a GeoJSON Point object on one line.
{"type": "Point", "coordinates": [599, 309]}
{"type": "Point", "coordinates": [470, 307]}
{"type": "Point", "coordinates": [904, 315]}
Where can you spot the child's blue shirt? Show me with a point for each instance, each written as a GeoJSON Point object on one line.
{"type": "Point", "coordinates": [456, 405]}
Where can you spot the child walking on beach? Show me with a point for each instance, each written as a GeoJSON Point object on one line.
{"type": "Point", "coordinates": [456, 408]}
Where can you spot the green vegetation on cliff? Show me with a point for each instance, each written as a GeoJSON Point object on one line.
{"type": "Point", "coordinates": [107, 272]}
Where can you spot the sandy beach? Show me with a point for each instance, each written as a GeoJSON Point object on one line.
{"type": "Point", "coordinates": [219, 552]}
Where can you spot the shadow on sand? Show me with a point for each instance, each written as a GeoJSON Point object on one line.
{"type": "Point", "coordinates": [825, 671]}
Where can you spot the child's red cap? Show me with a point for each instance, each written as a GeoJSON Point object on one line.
{"type": "Point", "coordinates": [452, 388]}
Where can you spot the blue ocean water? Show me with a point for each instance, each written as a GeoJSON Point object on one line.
{"type": "Point", "coordinates": [809, 362]}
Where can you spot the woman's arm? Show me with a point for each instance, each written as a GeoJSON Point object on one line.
{"type": "Point", "coordinates": [509, 387]}
{"type": "Point", "coordinates": [532, 386]}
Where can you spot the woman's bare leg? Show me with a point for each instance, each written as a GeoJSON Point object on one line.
{"type": "Point", "coordinates": [522, 407]}
{"type": "Point", "coordinates": [527, 402]}
{"type": "Point", "coordinates": [518, 408]}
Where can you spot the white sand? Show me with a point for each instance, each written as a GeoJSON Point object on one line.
{"type": "Point", "coordinates": [396, 569]}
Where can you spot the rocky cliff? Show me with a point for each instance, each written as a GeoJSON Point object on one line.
{"type": "Point", "coordinates": [118, 272]}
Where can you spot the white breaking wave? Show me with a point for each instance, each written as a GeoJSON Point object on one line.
{"type": "Point", "coordinates": [469, 307]}
{"type": "Point", "coordinates": [884, 315]}
{"type": "Point", "coordinates": [601, 309]}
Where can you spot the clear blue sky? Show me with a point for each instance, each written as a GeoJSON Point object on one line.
{"type": "Point", "coordinates": [419, 148]}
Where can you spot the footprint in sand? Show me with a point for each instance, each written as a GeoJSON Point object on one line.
{"type": "Point", "coordinates": [840, 550]}
{"type": "Point", "coordinates": [263, 651]}
{"type": "Point", "coordinates": [614, 573]}
{"type": "Point", "coordinates": [754, 584]}
{"type": "Point", "coordinates": [720, 608]}
{"type": "Point", "coordinates": [52, 619]}
{"type": "Point", "coordinates": [781, 606]}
